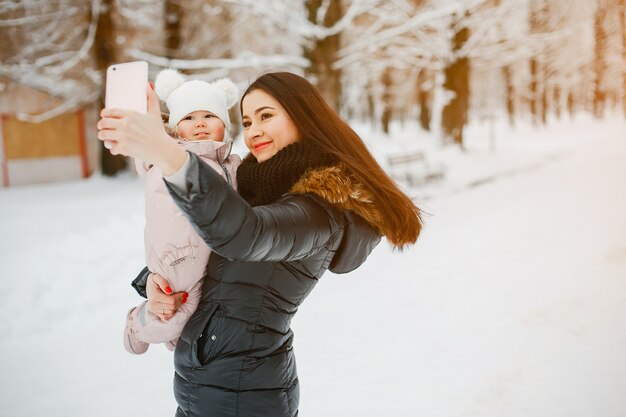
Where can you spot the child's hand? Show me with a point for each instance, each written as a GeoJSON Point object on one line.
{"type": "Point", "coordinates": [161, 301]}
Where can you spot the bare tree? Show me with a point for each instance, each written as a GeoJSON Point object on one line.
{"type": "Point", "coordinates": [622, 15]}
{"type": "Point", "coordinates": [454, 116]}
{"type": "Point", "coordinates": [106, 53]}
{"type": "Point", "coordinates": [425, 83]}
{"type": "Point", "coordinates": [407, 35]}
{"type": "Point", "coordinates": [172, 25]}
{"type": "Point", "coordinates": [538, 24]}
{"type": "Point", "coordinates": [47, 46]}
{"type": "Point", "coordinates": [393, 53]}
{"type": "Point", "coordinates": [600, 52]}
{"type": "Point", "coordinates": [322, 52]}
{"type": "Point", "coordinates": [387, 98]}
{"type": "Point", "coordinates": [510, 93]}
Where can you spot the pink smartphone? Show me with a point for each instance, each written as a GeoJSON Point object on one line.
{"type": "Point", "coordinates": [126, 86]}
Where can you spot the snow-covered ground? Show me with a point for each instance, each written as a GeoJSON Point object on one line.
{"type": "Point", "coordinates": [513, 302]}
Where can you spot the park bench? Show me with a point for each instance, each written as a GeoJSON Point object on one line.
{"type": "Point", "coordinates": [413, 168]}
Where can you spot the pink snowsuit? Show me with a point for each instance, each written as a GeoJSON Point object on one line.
{"type": "Point", "coordinates": [173, 248]}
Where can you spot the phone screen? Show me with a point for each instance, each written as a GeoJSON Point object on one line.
{"type": "Point", "coordinates": [126, 86]}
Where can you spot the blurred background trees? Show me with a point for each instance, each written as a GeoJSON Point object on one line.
{"type": "Point", "coordinates": [438, 62]}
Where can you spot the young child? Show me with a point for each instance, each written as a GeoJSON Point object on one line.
{"type": "Point", "coordinates": [199, 119]}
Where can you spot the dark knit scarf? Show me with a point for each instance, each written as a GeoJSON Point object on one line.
{"type": "Point", "coordinates": [263, 183]}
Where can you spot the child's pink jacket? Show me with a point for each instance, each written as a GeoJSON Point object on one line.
{"type": "Point", "coordinates": [173, 248]}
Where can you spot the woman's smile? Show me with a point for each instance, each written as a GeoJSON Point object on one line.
{"type": "Point", "coordinates": [262, 145]}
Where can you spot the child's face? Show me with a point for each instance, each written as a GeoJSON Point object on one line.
{"type": "Point", "coordinates": [201, 125]}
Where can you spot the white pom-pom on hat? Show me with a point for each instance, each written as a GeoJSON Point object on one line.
{"type": "Point", "coordinates": [230, 90]}
{"type": "Point", "coordinates": [167, 81]}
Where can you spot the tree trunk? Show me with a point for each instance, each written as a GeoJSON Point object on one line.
{"type": "Point", "coordinates": [387, 97]}
{"type": "Point", "coordinates": [556, 98]}
{"type": "Point", "coordinates": [509, 93]}
{"type": "Point", "coordinates": [454, 115]}
{"type": "Point", "coordinates": [538, 101]}
{"type": "Point", "coordinates": [173, 16]}
{"type": "Point", "coordinates": [371, 106]}
{"type": "Point", "coordinates": [544, 102]}
{"type": "Point", "coordinates": [599, 63]}
{"type": "Point", "coordinates": [534, 90]}
{"type": "Point", "coordinates": [622, 13]}
{"type": "Point", "coordinates": [571, 103]}
{"type": "Point", "coordinates": [106, 54]}
{"type": "Point", "coordinates": [425, 87]}
{"type": "Point", "coordinates": [424, 99]}
{"type": "Point", "coordinates": [322, 53]}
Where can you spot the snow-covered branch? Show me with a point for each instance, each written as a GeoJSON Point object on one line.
{"type": "Point", "coordinates": [243, 60]}
{"type": "Point", "coordinates": [64, 107]}
{"type": "Point", "coordinates": [46, 17]}
{"type": "Point", "coordinates": [283, 15]}
{"type": "Point", "coordinates": [357, 8]}
{"type": "Point", "coordinates": [387, 36]}
{"type": "Point", "coordinates": [83, 51]}
{"type": "Point", "coordinates": [486, 25]}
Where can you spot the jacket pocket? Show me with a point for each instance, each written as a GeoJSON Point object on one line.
{"type": "Point", "coordinates": [204, 343]}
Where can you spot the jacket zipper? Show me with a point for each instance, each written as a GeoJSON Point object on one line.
{"type": "Point", "coordinates": [219, 161]}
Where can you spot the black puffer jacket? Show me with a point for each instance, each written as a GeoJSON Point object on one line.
{"type": "Point", "coordinates": [235, 356]}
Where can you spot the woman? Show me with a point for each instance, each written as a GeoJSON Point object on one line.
{"type": "Point", "coordinates": [311, 198]}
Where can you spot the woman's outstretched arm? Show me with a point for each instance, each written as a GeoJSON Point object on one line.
{"type": "Point", "coordinates": [292, 228]}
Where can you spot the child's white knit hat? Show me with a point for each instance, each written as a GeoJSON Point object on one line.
{"type": "Point", "coordinates": [183, 97]}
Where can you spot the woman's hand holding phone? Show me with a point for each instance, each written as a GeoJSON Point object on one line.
{"type": "Point", "coordinates": [141, 136]}
{"type": "Point", "coordinates": [131, 120]}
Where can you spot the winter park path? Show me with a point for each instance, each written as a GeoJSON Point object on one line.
{"type": "Point", "coordinates": [512, 304]}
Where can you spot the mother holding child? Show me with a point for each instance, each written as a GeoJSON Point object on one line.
{"type": "Point", "coordinates": [310, 198]}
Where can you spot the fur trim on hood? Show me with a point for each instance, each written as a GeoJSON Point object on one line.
{"type": "Point", "coordinates": [343, 191]}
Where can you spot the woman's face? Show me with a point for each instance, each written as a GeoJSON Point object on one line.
{"type": "Point", "coordinates": [267, 128]}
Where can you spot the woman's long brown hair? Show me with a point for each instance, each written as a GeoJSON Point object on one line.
{"type": "Point", "coordinates": [317, 122]}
